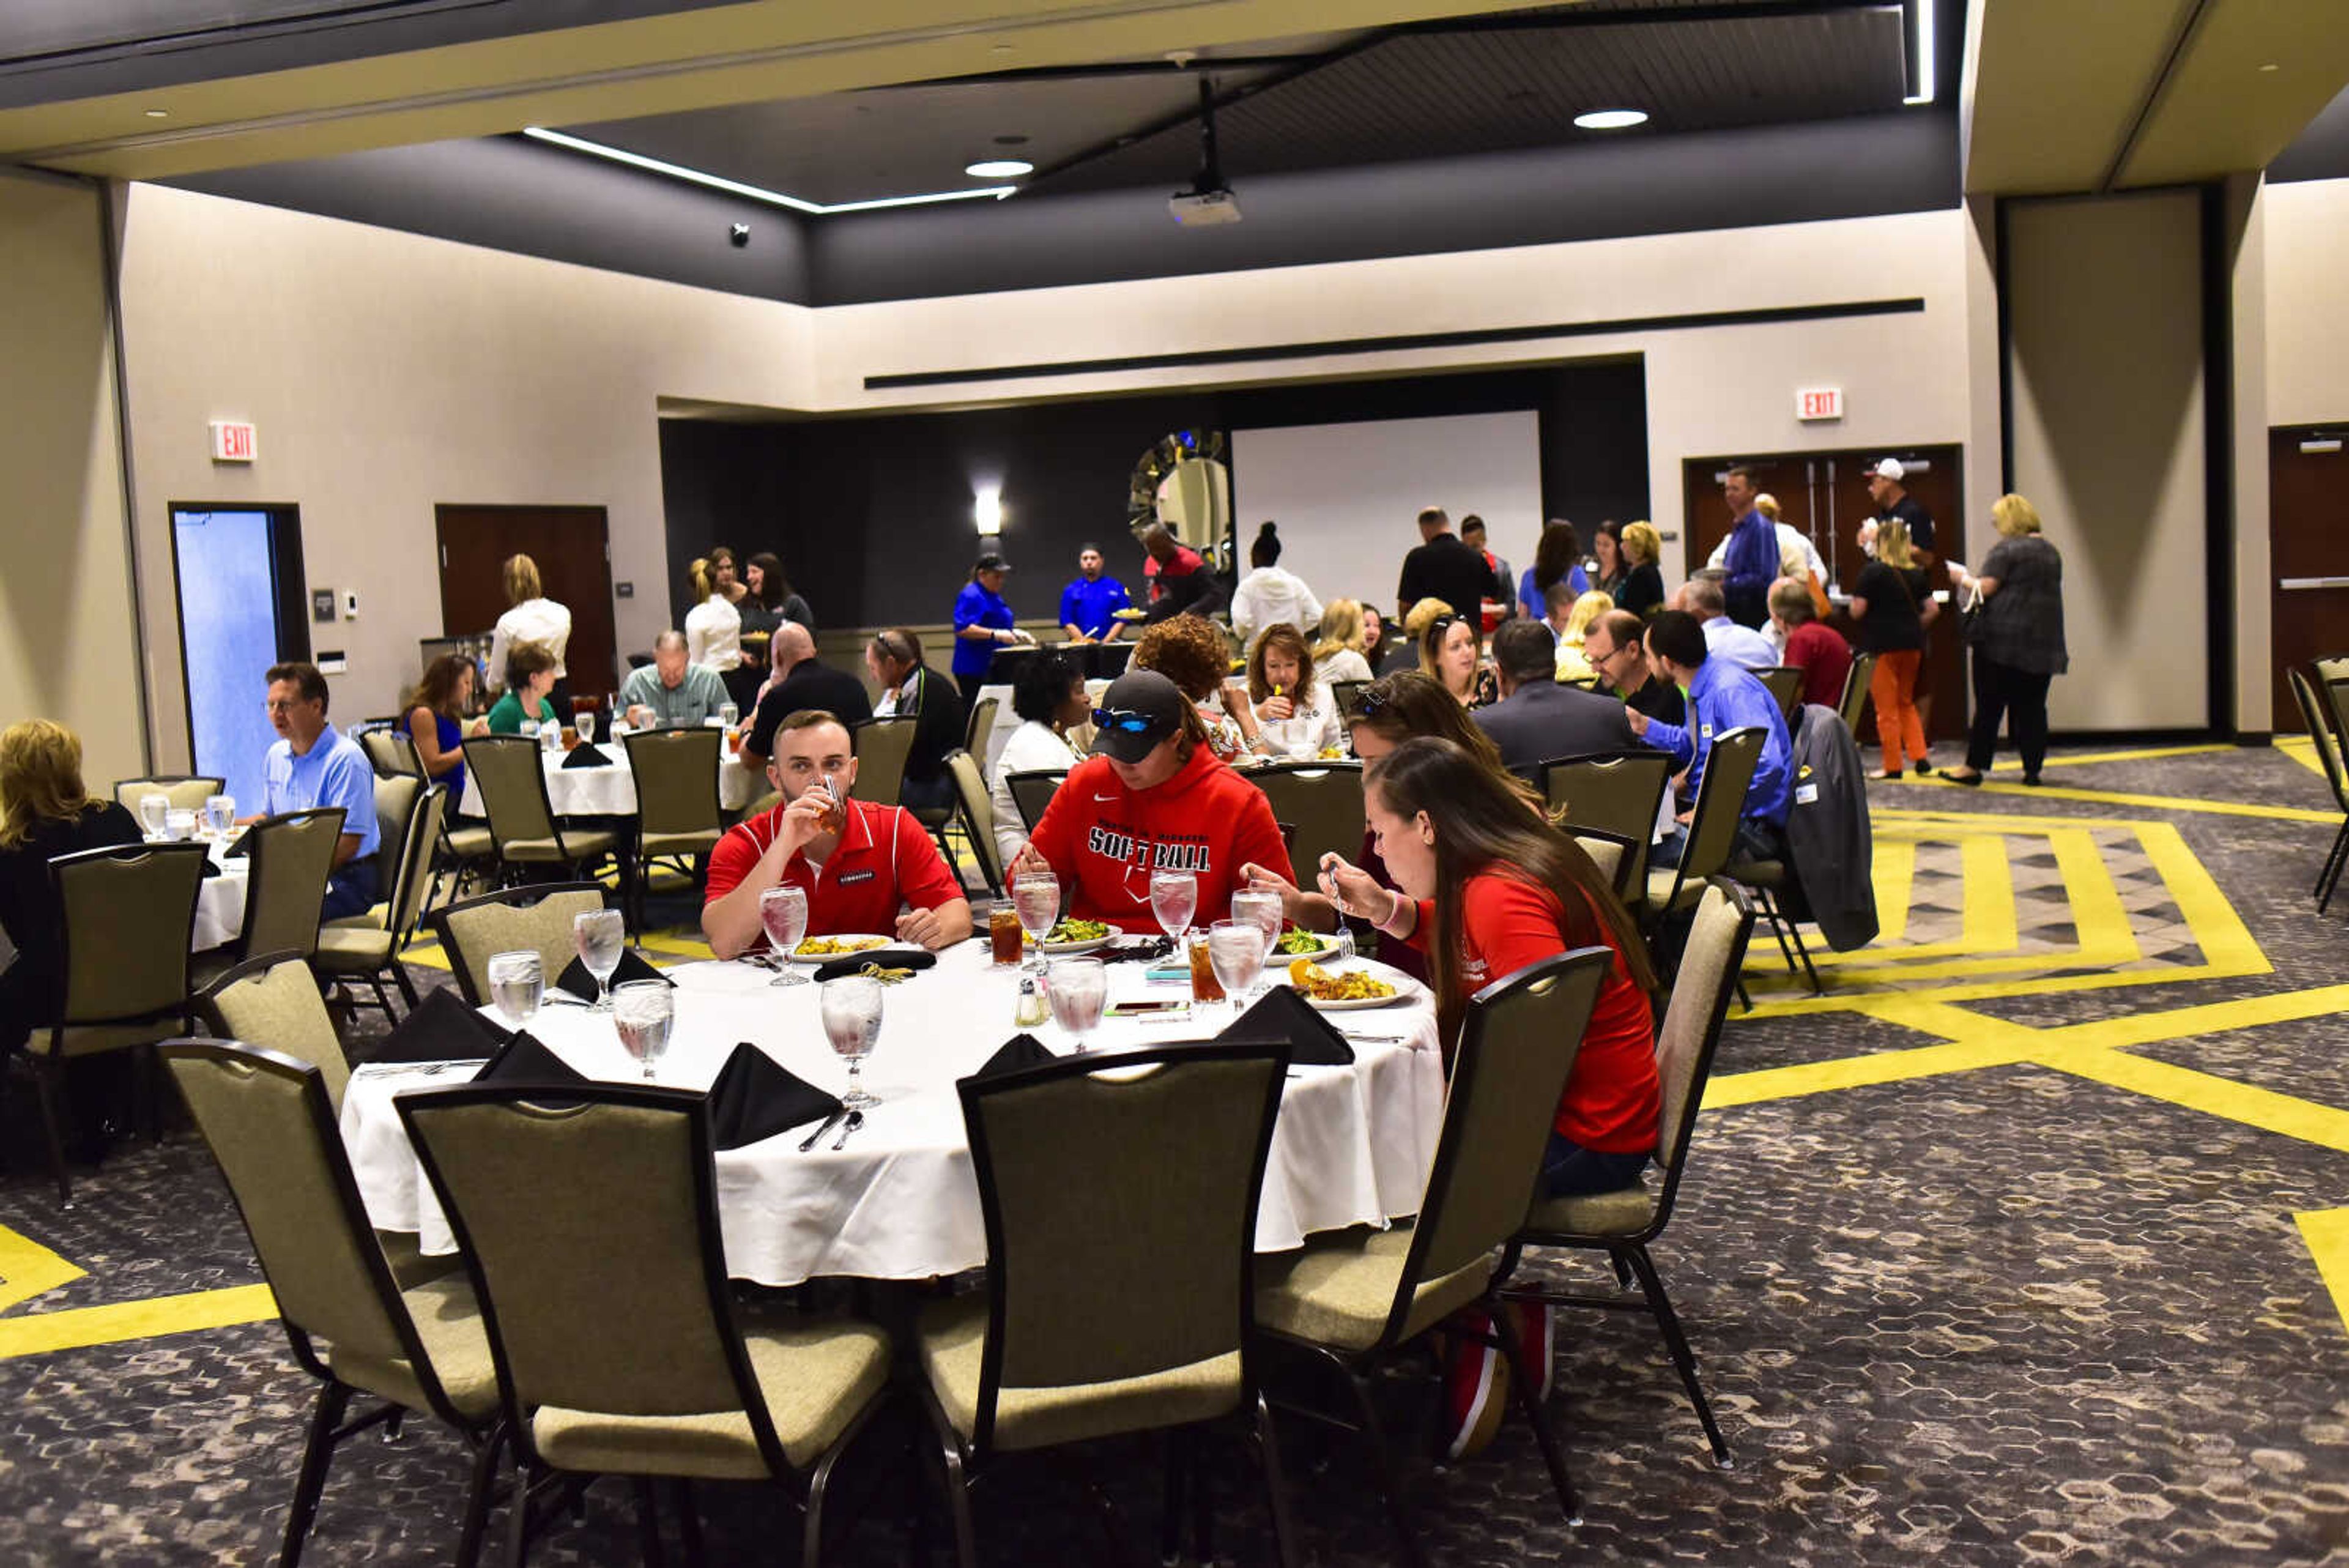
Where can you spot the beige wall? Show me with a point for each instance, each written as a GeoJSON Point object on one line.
{"type": "Point", "coordinates": [2306, 226]}
{"type": "Point", "coordinates": [2252, 699]}
{"type": "Point", "coordinates": [388, 372]}
{"type": "Point", "coordinates": [66, 623]}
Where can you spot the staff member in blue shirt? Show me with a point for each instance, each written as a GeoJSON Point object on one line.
{"type": "Point", "coordinates": [314, 766]}
{"type": "Point", "coordinates": [1088, 605]}
{"type": "Point", "coordinates": [1722, 696]}
{"type": "Point", "coordinates": [982, 622]}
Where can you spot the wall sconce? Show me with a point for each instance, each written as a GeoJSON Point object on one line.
{"type": "Point", "coordinates": [986, 510]}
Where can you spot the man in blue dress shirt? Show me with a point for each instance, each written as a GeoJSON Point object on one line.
{"type": "Point", "coordinates": [314, 765]}
{"type": "Point", "coordinates": [1722, 696]}
{"type": "Point", "coordinates": [1090, 604]}
{"type": "Point", "coordinates": [1702, 596]}
{"type": "Point", "coordinates": [1752, 557]}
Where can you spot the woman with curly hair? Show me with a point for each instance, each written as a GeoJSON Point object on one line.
{"type": "Point", "coordinates": [1190, 650]}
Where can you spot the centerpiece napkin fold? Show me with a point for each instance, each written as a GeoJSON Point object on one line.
{"type": "Point", "coordinates": [524, 1063]}
{"type": "Point", "coordinates": [755, 1098]}
{"type": "Point", "coordinates": [1284, 1015]}
{"type": "Point", "coordinates": [440, 1028]}
{"type": "Point", "coordinates": [876, 958]}
{"type": "Point", "coordinates": [575, 978]}
{"type": "Point", "coordinates": [585, 755]}
{"type": "Point", "coordinates": [1022, 1051]}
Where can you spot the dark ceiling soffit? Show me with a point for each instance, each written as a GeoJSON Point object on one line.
{"type": "Point", "coordinates": [1767, 316]}
{"type": "Point", "coordinates": [358, 13]}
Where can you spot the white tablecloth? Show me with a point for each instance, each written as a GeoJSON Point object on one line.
{"type": "Point", "coordinates": [611, 791]}
{"type": "Point", "coordinates": [220, 900]}
{"type": "Point", "coordinates": [1352, 1145]}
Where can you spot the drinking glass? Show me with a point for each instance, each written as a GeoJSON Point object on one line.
{"type": "Point", "coordinates": [1037, 896]}
{"type": "Point", "coordinates": [517, 985]}
{"type": "Point", "coordinates": [783, 911]}
{"type": "Point", "coordinates": [852, 1022]}
{"type": "Point", "coordinates": [220, 813]}
{"type": "Point", "coordinates": [1173, 898]}
{"type": "Point", "coordinates": [586, 724]}
{"type": "Point", "coordinates": [644, 1010]}
{"type": "Point", "coordinates": [151, 810]}
{"type": "Point", "coordinates": [599, 935]}
{"type": "Point", "coordinates": [550, 736]}
{"type": "Point", "coordinates": [1264, 909]}
{"type": "Point", "coordinates": [1235, 950]}
{"type": "Point", "coordinates": [529, 729]}
{"type": "Point", "coordinates": [727, 713]}
{"type": "Point", "coordinates": [178, 824]}
{"type": "Point", "coordinates": [1077, 988]}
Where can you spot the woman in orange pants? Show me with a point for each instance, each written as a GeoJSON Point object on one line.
{"type": "Point", "coordinates": [1884, 609]}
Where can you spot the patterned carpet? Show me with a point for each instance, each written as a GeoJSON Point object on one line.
{"type": "Point", "coordinates": [2012, 1248]}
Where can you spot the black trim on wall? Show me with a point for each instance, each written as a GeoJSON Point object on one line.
{"type": "Point", "coordinates": [1333, 345]}
{"type": "Point", "coordinates": [2219, 452]}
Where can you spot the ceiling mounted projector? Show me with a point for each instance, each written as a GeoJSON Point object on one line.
{"type": "Point", "coordinates": [1209, 201]}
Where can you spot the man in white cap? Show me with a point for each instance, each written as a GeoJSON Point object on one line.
{"type": "Point", "coordinates": [1893, 500]}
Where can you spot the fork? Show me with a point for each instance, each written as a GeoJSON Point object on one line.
{"type": "Point", "coordinates": [856, 1119]}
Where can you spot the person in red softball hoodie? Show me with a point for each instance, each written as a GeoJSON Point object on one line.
{"type": "Point", "coordinates": [1152, 798]}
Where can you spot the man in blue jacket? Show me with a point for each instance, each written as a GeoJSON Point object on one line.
{"type": "Point", "coordinates": [1752, 557]}
{"type": "Point", "coordinates": [1722, 697]}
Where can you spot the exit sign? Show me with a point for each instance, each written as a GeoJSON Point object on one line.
{"type": "Point", "coordinates": [232, 440]}
{"type": "Point", "coordinates": [1818, 403]}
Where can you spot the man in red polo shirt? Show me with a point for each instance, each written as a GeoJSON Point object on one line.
{"type": "Point", "coordinates": [857, 875]}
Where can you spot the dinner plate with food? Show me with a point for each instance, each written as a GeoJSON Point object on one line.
{"type": "Point", "coordinates": [1075, 936]}
{"type": "Point", "coordinates": [1349, 988]}
{"type": "Point", "coordinates": [1129, 614]}
{"type": "Point", "coordinates": [1296, 942]}
{"type": "Point", "coordinates": [824, 950]}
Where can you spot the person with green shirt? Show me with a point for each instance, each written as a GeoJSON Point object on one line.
{"type": "Point", "coordinates": [672, 689]}
{"type": "Point", "coordinates": [529, 694]}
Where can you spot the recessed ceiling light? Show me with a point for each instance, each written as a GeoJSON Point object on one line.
{"type": "Point", "coordinates": [2271, 66]}
{"type": "Point", "coordinates": [1611, 119]}
{"type": "Point", "coordinates": [166, 114]}
{"type": "Point", "coordinates": [999, 169]}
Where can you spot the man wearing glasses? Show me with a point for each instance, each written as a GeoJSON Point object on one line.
{"type": "Point", "coordinates": [314, 765]}
{"type": "Point", "coordinates": [1611, 648]}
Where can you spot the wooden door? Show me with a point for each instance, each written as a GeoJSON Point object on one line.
{"type": "Point", "coordinates": [570, 545]}
{"type": "Point", "coordinates": [2308, 555]}
{"type": "Point", "coordinates": [1824, 495]}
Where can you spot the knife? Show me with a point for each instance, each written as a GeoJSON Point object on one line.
{"type": "Point", "coordinates": [829, 1122]}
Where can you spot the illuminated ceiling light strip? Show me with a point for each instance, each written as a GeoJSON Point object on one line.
{"type": "Point", "coordinates": [754, 193]}
{"type": "Point", "coordinates": [1924, 54]}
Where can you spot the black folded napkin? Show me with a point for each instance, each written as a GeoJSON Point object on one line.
{"type": "Point", "coordinates": [755, 1098]}
{"type": "Point", "coordinates": [1019, 1052]}
{"type": "Point", "coordinates": [524, 1063]}
{"type": "Point", "coordinates": [584, 755]}
{"type": "Point", "coordinates": [440, 1028]}
{"type": "Point", "coordinates": [242, 847]}
{"type": "Point", "coordinates": [880, 958]}
{"type": "Point", "coordinates": [1285, 1016]}
{"type": "Point", "coordinates": [575, 978]}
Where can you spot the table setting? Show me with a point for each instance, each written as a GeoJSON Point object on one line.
{"type": "Point", "coordinates": [220, 900]}
{"type": "Point", "coordinates": [594, 779]}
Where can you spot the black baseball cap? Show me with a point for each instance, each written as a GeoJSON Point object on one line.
{"type": "Point", "coordinates": [1140, 708]}
{"type": "Point", "coordinates": [991, 562]}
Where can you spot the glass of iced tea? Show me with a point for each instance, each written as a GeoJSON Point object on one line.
{"type": "Point", "coordinates": [1205, 986]}
{"type": "Point", "coordinates": [1003, 933]}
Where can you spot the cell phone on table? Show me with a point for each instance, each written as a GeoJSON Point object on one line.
{"type": "Point", "coordinates": [1132, 1008]}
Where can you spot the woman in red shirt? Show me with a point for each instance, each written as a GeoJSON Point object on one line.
{"type": "Point", "coordinates": [1486, 890]}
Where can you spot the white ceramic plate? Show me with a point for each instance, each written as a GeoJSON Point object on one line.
{"type": "Point", "coordinates": [1406, 989]}
{"type": "Point", "coordinates": [1320, 955]}
{"type": "Point", "coordinates": [872, 944]}
{"type": "Point", "coordinates": [1066, 950]}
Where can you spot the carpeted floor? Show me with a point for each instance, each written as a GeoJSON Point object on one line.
{"type": "Point", "coordinates": [2010, 1249]}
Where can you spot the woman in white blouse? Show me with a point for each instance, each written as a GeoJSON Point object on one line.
{"type": "Point", "coordinates": [1267, 594]}
{"type": "Point", "coordinates": [533, 619]}
{"type": "Point", "coordinates": [1049, 696]}
{"type": "Point", "coordinates": [1294, 709]}
{"type": "Point", "coordinates": [713, 627]}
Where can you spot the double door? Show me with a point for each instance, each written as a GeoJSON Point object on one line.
{"type": "Point", "coordinates": [570, 547]}
{"type": "Point", "coordinates": [2308, 555]}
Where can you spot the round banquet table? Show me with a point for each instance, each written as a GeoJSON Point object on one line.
{"type": "Point", "coordinates": [1352, 1146]}
{"type": "Point", "coordinates": [220, 900]}
{"type": "Point", "coordinates": [611, 791]}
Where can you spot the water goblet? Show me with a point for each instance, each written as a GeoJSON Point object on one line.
{"type": "Point", "coordinates": [517, 985]}
{"type": "Point", "coordinates": [1235, 952]}
{"type": "Point", "coordinates": [1077, 988]}
{"type": "Point", "coordinates": [728, 714]}
{"type": "Point", "coordinates": [600, 935]}
{"type": "Point", "coordinates": [151, 811]}
{"type": "Point", "coordinates": [1037, 896]}
{"type": "Point", "coordinates": [783, 911]}
{"type": "Point", "coordinates": [850, 1006]}
{"type": "Point", "coordinates": [178, 824]}
{"type": "Point", "coordinates": [220, 814]}
{"type": "Point", "coordinates": [1173, 898]}
{"type": "Point", "coordinates": [1264, 909]}
{"type": "Point", "coordinates": [586, 724]}
{"type": "Point", "coordinates": [644, 1010]}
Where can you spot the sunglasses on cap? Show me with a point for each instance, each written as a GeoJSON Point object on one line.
{"type": "Point", "coordinates": [1370, 703]}
{"type": "Point", "coordinates": [1120, 719]}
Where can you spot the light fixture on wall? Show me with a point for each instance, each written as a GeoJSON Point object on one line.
{"type": "Point", "coordinates": [755, 193]}
{"type": "Point", "coordinates": [986, 510]}
{"type": "Point", "coordinates": [1924, 93]}
{"type": "Point", "coordinates": [1611, 119]}
{"type": "Point", "coordinates": [999, 169]}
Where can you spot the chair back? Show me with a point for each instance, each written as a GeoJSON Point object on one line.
{"type": "Point", "coordinates": [675, 772]}
{"type": "Point", "coordinates": [1617, 858]}
{"type": "Point", "coordinates": [882, 746]}
{"type": "Point", "coordinates": [1344, 695]}
{"type": "Point", "coordinates": [509, 769]}
{"type": "Point", "coordinates": [2320, 733]}
{"type": "Point", "coordinates": [393, 754]}
{"type": "Point", "coordinates": [291, 858]}
{"type": "Point", "coordinates": [1322, 800]}
{"type": "Point", "coordinates": [411, 888]}
{"type": "Point", "coordinates": [1121, 1215]}
{"type": "Point", "coordinates": [274, 1001]}
{"type": "Point", "coordinates": [1621, 796]}
{"type": "Point", "coordinates": [609, 1197]}
{"type": "Point", "coordinates": [1518, 1044]}
{"type": "Point", "coordinates": [1855, 689]}
{"type": "Point", "coordinates": [1692, 1022]}
{"type": "Point", "coordinates": [979, 728]}
{"type": "Point", "coordinates": [128, 913]}
{"type": "Point", "coordinates": [271, 1127]}
{"type": "Point", "coordinates": [395, 802]}
{"type": "Point", "coordinates": [978, 814]}
{"type": "Point", "coordinates": [1720, 806]}
{"type": "Point", "coordinates": [1785, 683]}
{"type": "Point", "coordinates": [187, 791]}
{"type": "Point", "coordinates": [1033, 790]}
{"type": "Point", "coordinates": [529, 918]}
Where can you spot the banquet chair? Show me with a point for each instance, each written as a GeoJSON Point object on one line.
{"type": "Point", "coordinates": [2328, 755]}
{"type": "Point", "coordinates": [1617, 856]}
{"type": "Point", "coordinates": [1622, 1223]}
{"type": "Point", "coordinates": [395, 801]}
{"type": "Point", "coordinates": [291, 856]}
{"type": "Point", "coordinates": [978, 817]}
{"type": "Point", "coordinates": [369, 947]}
{"type": "Point", "coordinates": [393, 753]}
{"type": "Point", "coordinates": [882, 746]}
{"type": "Point", "coordinates": [128, 912]}
{"type": "Point", "coordinates": [272, 1001]}
{"type": "Point", "coordinates": [1621, 794]}
{"type": "Point", "coordinates": [1358, 1302]}
{"type": "Point", "coordinates": [1344, 695]}
{"type": "Point", "coordinates": [612, 1199]}
{"type": "Point", "coordinates": [979, 728]}
{"type": "Point", "coordinates": [1785, 684]}
{"type": "Point", "coordinates": [1711, 831]}
{"type": "Point", "coordinates": [522, 826]}
{"type": "Point", "coordinates": [1033, 790]}
{"type": "Point", "coordinates": [270, 1121]}
{"type": "Point", "coordinates": [1121, 1226]}
{"type": "Point", "coordinates": [679, 816]}
{"type": "Point", "coordinates": [1855, 689]}
{"type": "Point", "coordinates": [532, 918]}
{"type": "Point", "coordinates": [1323, 800]}
{"type": "Point", "coordinates": [186, 791]}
